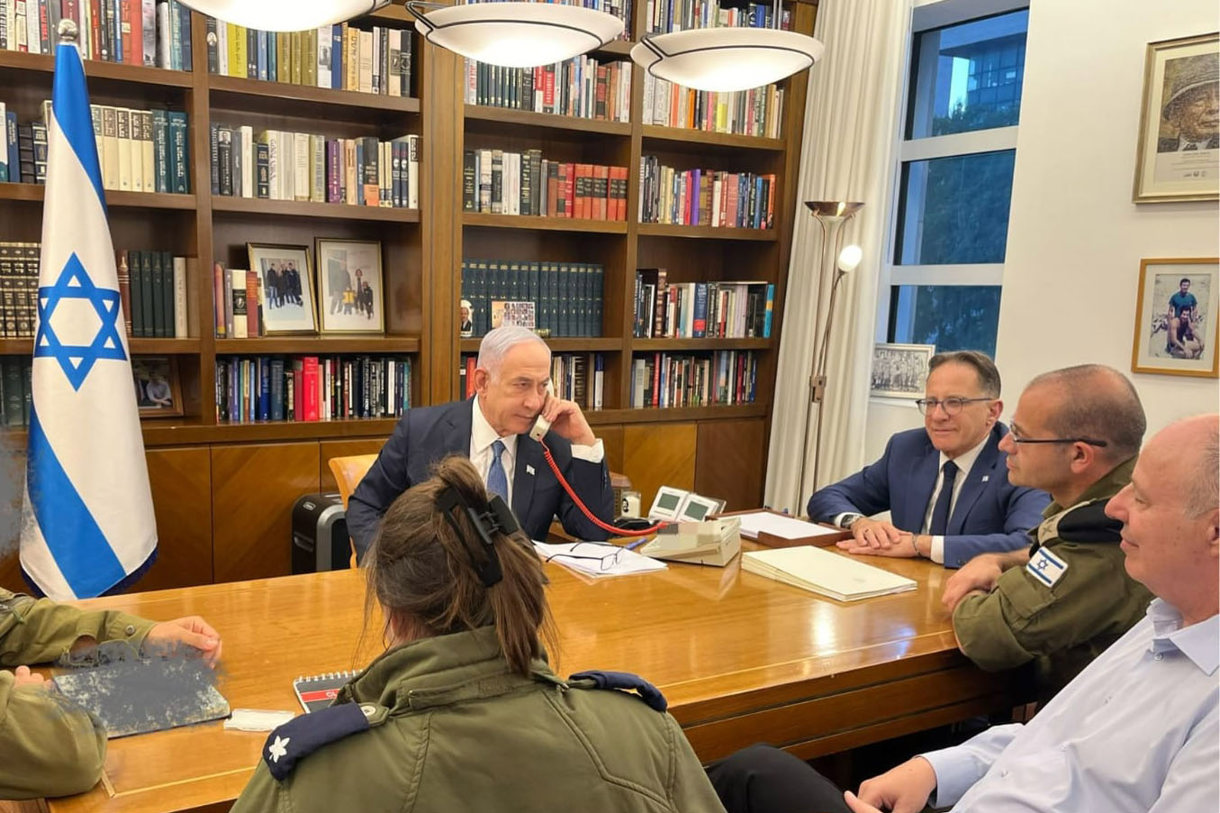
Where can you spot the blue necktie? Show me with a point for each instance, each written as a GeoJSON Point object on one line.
{"type": "Point", "coordinates": [497, 479]}
{"type": "Point", "coordinates": [940, 512]}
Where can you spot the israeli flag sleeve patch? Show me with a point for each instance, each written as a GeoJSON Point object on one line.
{"type": "Point", "coordinates": [1046, 567]}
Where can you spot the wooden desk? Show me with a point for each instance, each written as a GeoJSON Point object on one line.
{"type": "Point", "coordinates": [741, 658]}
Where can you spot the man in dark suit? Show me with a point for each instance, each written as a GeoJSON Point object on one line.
{"type": "Point", "coordinates": [946, 486]}
{"type": "Point", "coordinates": [492, 429]}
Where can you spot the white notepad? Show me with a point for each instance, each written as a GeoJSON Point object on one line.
{"type": "Point", "coordinates": [825, 573]}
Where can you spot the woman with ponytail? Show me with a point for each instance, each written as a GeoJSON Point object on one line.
{"type": "Point", "coordinates": [462, 712]}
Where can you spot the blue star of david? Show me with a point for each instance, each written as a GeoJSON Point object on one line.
{"type": "Point", "coordinates": [77, 360]}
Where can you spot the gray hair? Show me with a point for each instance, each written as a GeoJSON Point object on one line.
{"type": "Point", "coordinates": [1203, 492]}
{"type": "Point", "coordinates": [984, 368]}
{"type": "Point", "coordinates": [499, 341]}
{"type": "Point", "coordinates": [1099, 403]}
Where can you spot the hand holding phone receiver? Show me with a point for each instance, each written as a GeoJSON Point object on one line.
{"type": "Point", "coordinates": [542, 425]}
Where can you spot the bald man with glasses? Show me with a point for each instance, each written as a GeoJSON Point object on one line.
{"type": "Point", "coordinates": [1060, 602]}
{"type": "Point", "coordinates": [946, 485]}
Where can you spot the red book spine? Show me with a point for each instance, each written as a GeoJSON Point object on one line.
{"type": "Point", "coordinates": [569, 189]}
{"type": "Point", "coordinates": [133, 14]}
{"type": "Point", "coordinates": [125, 26]}
{"type": "Point", "coordinates": [310, 381]}
{"type": "Point", "coordinates": [218, 298]}
{"type": "Point", "coordinates": [252, 304]}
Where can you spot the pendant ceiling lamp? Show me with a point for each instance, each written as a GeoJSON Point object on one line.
{"type": "Point", "coordinates": [515, 34]}
{"type": "Point", "coordinates": [727, 59]}
{"type": "Point", "coordinates": [284, 15]}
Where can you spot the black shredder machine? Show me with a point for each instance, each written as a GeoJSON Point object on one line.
{"type": "Point", "coordinates": [319, 534]}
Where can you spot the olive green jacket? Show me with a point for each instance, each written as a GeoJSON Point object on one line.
{"type": "Point", "coordinates": [453, 730]}
{"type": "Point", "coordinates": [1065, 626]}
{"type": "Point", "coordinates": [48, 748]}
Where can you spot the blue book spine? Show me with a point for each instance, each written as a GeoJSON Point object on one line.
{"type": "Point", "coordinates": [14, 155]}
{"type": "Point", "coordinates": [264, 388]}
{"type": "Point", "coordinates": [179, 152]}
{"type": "Point", "coordinates": [699, 318]}
{"type": "Point", "coordinates": [262, 55]}
{"type": "Point", "coordinates": [770, 307]}
{"type": "Point", "coordinates": [161, 149]}
{"type": "Point", "coordinates": [184, 26]}
{"type": "Point", "coordinates": [336, 57]}
{"type": "Point", "coordinates": [273, 57]}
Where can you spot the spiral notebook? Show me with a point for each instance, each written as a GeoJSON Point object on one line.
{"type": "Point", "coordinates": [318, 691]}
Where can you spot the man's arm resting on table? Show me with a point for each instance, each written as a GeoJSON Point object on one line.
{"type": "Point", "coordinates": [41, 630]}
{"type": "Point", "coordinates": [49, 748]}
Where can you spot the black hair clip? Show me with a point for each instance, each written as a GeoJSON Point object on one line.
{"type": "Point", "coordinates": [497, 518]}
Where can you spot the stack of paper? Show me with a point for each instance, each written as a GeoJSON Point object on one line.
{"type": "Point", "coordinates": [779, 525]}
{"type": "Point", "coordinates": [825, 573]}
{"type": "Point", "coordinates": [597, 558]}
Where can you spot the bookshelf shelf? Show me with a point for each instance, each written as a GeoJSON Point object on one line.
{"type": "Point", "coordinates": [688, 135]}
{"type": "Point", "coordinates": [140, 347]}
{"type": "Point", "coordinates": [148, 200]}
{"type": "Point", "coordinates": [652, 415]}
{"type": "Point", "coordinates": [707, 232]}
{"type": "Point", "coordinates": [301, 208]}
{"type": "Point", "coordinates": [285, 99]}
{"type": "Point", "coordinates": [305, 345]}
{"type": "Point", "coordinates": [170, 432]}
{"type": "Point", "coordinates": [96, 68]}
{"type": "Point", "coordinates": [498, 120]}
{"type": "Point", "coordinates": [663, 345]}
{"type": "Point", "coordinates": [543, 223]}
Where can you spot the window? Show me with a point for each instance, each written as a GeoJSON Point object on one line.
{"type": "Point", "coordinates": [954, 179]}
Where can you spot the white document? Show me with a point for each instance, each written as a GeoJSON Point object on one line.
{"type": "Point", "coordinates": [597, 559]}
{"type": "Point", "coordinates": [779, 525]}
{"type": "Point", "coordinates": [825, 573]}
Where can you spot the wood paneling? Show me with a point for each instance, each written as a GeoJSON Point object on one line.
{"type": "Point", "coordinates": [612, 442]}
{"type": "Point", "coordinates": [729, 464]}
{"type": "Point", "coordinates": [659, 455]}
{"type": "Point", "coordinates": [181, 481]}
{"type": "Point", "coordinates": [253, 491]}
{"type": "Point", "coordinates": [342, 448]}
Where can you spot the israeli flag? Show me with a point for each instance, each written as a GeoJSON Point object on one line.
{"type": "Point", "coordinates": [88, 523]}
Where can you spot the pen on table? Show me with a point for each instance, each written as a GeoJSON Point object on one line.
{"type": "Point", "coordinates": [637, 543]}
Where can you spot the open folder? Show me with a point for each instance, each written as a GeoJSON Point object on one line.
{"type": "Point", "coordinates": [828, 574]}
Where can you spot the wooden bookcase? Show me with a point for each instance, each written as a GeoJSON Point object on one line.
{"type": "Point", "coordinates": [224, 492]}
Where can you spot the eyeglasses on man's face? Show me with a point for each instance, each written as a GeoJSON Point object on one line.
{"type": "Point", "coordinates": [951, 405]}
{"type": "Point", "coordinates": [1016, 437]}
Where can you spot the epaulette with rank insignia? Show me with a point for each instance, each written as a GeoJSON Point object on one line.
{"type": "Point", "coordinates": [301, 736]}
{"type": "Point", "coordinates": [598, 679]}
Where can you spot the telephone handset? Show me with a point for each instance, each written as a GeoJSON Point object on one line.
{"type": "Point", "coordinates": [542, 425]}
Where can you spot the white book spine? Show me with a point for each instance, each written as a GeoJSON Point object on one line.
{"type": "Point", "coordinates": [181, 322]}
{"type": "Point", "coordinates": [323, 56]}
{"type": "Point", "coordinates": [413, 147]}
{"type": "Point", "coordinates": [317, 157]}
{"type": "Point", "coordinates": [247, 161]}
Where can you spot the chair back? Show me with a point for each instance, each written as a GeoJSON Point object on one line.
{"type": "Point", "coordinates": [349, 471]}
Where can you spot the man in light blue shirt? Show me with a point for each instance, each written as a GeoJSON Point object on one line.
{"type": "Point", "coordinates": [1137, 730]}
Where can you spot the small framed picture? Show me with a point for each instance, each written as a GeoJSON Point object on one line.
{"type": "Point", "coordinates": [465, 319]}
{"type": "Point", "coordinates": [900, 370]}
{"type": "Point", "coordinates": [287, 282]}
{"type": "Point", "coordinates": [1178, 157]}
{"type": "Point", "coordinates": [158, 388]}
{"type": "Point", "coordinates": [1175, 317]}
{"type": "Point", "coordinates": [349, 273]}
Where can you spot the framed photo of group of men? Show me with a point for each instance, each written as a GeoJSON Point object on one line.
{"type": "Point", "coordinates": [899, 370]}
{"type": "Point", "coordinates": [349, 298]}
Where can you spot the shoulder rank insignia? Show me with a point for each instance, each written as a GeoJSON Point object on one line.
{"type": "Point", "coordinates": [301, 736]}
{"type": "Point", "coordinates": [598, 679]}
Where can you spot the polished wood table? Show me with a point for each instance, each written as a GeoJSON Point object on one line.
{"type": "Point", "coordinates": [742, 659]}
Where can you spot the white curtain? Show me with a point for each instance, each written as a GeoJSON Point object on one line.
{"type": "Point", "coordinates": [851, 132]}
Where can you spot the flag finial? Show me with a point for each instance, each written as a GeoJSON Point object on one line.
{"type": "Point", "coordinates": [67, 32]}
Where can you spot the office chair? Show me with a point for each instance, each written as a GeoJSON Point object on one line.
{"type": "Point", "coordinates": [349, 471]}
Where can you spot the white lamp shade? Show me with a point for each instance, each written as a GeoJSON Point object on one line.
{"type": "Point", "coordinates": [284, 15]}
{"type": "Point", "coordinates": [518, 34]}
{"type": "Point", "coordinates": [849, 258]}
{"type": "Point", "coordinates": [726, 59]}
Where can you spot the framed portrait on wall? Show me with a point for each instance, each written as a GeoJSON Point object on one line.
{"type": "Point", "coordinates": [1178, 157]}
{"type": "Point", "coordinates": [287, 287]}
{"type": "Point", "coordinates": [349, 274]}
{"type": "Point", "coordinates": [158, 388]}
{"type": "Point", "coordinates": [900, 370]}
{"type": "Point", "coordinates": [1175, 317]}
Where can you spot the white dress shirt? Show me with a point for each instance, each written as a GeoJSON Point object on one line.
{"type": "Point", "coordinates": [1135, 731]}
{"type": "Point", "coordinates": [964, 462]}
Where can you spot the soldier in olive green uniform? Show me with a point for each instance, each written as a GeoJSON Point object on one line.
{"type": "Point", "coordinates": [47, 746]}
{"type": "Point", "coordinates": [462, 712]}
{"type": "Point", "coordinates": [1067, 598]}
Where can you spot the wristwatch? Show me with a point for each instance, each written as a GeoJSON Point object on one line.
{"type": "Point", "coordinates": [849, 519]}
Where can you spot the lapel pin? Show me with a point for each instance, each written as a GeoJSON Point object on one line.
{"type": "Point", "coordinates": [529, 469]}
{"type": "Point", "coordinates": [986, 477]}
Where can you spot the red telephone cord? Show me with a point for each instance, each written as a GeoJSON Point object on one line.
{"type": "Point", "coordinates": [584, 509]}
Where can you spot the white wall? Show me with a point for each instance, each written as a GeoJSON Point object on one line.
{"type": "Point", "coordinates": [1075, 239]}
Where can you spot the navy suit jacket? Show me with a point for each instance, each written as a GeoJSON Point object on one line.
{"type": "Point", "coordinates": [427, 434]}
{"type": "Point", "coordinates": [991, 514]}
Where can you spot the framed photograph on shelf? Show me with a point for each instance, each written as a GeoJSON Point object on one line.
{"type": "Point", "coordinates": [287, 284]}
{"type": "Point", "coordinates": [158, 388]}
{"type": "Point", "coordinates": [1175, 317]}
{"type": "Point", "coordinates": [1178, 157]}
{"type": "Point", "coordinates": [349, 273]}
{"type": "Point", "coordinates": [900, 370]}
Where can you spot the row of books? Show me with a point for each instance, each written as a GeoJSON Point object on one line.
{"type": "Point", "coordinates": [239, 301]}
{"type": "Point", "coordinates": [311, 388]}
{"type": "Point", "coordinates": [511, 183]}
{"type": "Point", "coordinates": [153, 33]}
{"type": "Point", "coordinates": [18, 289]}
{"type": "Point", "coordinates": [755, 112]}
{"type": "Point", "coordinates": [280, 165]}
{"type": "Point", "coordinates": [368, 59]}
{"type": "Point", "coordinates": [15, 390]}
{"type": "Point", "coordinates": [681, 15]}
{"type": "Point", "coordinates": [578, 377]}
{"type": "Point", "coordinates": [705, 197]}
{"type": "Point", "coordinates": [24, 157]}
{"type": "Point", "coordinates": [697, 310]}
{"type": "Point", "coordinates": [723, 378]}
{"type": "Point", "coordinates": [580, 87]}
{"type": "Point", "coordinates": [152, 286]}
{"type": "Point", "coordinates": [567, 296]}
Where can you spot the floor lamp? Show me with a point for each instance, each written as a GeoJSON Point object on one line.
{"type": "Point", "coordinates": [831, 216]}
